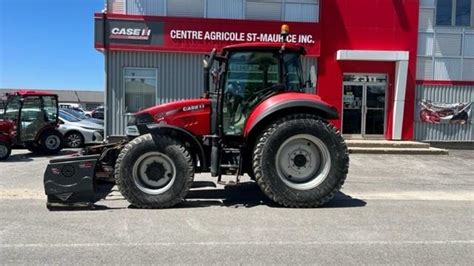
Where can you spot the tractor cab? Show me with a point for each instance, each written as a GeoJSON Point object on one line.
{"type": "Point", "coordinates": [30, 119]}
{"type": "Point", "coordinates": [252, 73]}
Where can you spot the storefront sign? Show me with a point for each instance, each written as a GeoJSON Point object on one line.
{"type": "Point", "coordinates": [125, 32]}
{"type": "Point", "coordinates": [441, 113]}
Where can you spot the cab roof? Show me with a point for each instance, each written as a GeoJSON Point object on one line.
{"type": "Point", "coordinates": [266, 46]}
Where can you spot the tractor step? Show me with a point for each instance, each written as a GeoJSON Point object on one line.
{"type": "Point", "coordinates": [228, 183]}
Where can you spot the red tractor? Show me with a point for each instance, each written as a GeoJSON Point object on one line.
{"type": "Point", "coordinates": [257, 120]}
{"type": "Point", "coordinates": [30, 119]}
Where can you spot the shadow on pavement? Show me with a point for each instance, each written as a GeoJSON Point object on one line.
{"type": "Point", "coordinates": [248, 195]}
{"type": "Point", "coordinates": [205, 194]}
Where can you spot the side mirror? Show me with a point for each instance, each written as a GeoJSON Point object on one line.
{"type": "Point", "coordinates": [311, 82]}
{"type": "Point", "coordinates": [209, 60]}
{"type": "Point", "coordinates": [312, 74]}
{"type": "Point", "coordinates": [215, 76]}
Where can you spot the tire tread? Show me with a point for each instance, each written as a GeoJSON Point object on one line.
{"type": "Point", "coordinates": [257, 162]}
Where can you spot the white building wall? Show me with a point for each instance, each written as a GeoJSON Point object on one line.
{"type": "Point", "coordinates": [444, 53]}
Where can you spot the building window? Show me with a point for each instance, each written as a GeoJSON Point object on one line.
{"type": "Point", "coordinates": [140, 88]}
{"type": "Point", "coordinates": [263, 9]}
{"type": "Point", "coordinates": [454, 13]}
{"type": "Point", "coordinates": [302, 10]}
{"type": "Point", "coordinates": [226, 9]}
{"type": "Point", "coordinates": [185, 8]}
{"type": "Point", "coordinates": [146, 7]}
{"type": "Point", "coordinates": [288, 10]}
{"type": "Point", "coordinates": [463, 12]}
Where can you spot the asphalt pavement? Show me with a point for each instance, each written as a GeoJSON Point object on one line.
{"type": "Point", "coordinates": [393, 209]}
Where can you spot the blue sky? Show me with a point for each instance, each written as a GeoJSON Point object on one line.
{"type": "Point", "coordinates": [48, 44]}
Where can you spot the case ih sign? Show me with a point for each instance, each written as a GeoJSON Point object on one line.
{"type": "Point", "coordinates": [128, 32]}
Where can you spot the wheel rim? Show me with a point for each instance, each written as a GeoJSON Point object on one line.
{"type": "Point", "coordinates": [52, 142]}
{"type": "Point", "coordinates": [3, 151]}
{"type": "Point", "coordinates": [74, 140]}
{"type": "Point", "coordinates": [154, 173]}
{"type": "Point", "coordinates": [303, 162]}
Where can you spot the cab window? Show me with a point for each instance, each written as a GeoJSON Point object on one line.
{"type": "Point", "coordinates": [293, 75]}
{"type": "Point", "coordinates": [13, 108]}
{"type": "Point", "coordinates": [250, 77]}
{"type": "Point", "coordinates": [50, 107]}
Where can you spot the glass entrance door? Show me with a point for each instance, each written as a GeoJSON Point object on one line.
{"type": "Point", "coordinates": [374, 110]}
{"type": "Point", "coordinates": [364, 106]}
{"type": "Point", "coordinates": [353, 99]}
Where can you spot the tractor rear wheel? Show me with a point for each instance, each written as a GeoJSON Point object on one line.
{"type": "Point", "coordinates": [5, 150]}
{"type": "Point", "coordinates": [300, 161]}
{"type": "Point", "coordinates": [51, 142]}
{"type": "Point", "coordinates": [154, 171]}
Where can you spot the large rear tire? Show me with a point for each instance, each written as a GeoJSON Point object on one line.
{"type": "Point", "coordinates": [154, 171]}
{"type": "Point", "coordinates": [5, 150]}
{"type": "Point", "coordinates": [300, 161]}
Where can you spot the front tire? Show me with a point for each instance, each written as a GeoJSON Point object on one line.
{"type": "Point", "coordinates": [300, 161]}
{"type": "Point", "coordinates": [5, 150]}
{"type": "Point", "coordinates": [154, 171]}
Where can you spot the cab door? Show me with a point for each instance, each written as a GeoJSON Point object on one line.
{"type": "Point", "coordinates": [37, 113]}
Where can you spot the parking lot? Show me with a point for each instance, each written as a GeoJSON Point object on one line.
{"type": "Point", "coordinates": [393, 209]}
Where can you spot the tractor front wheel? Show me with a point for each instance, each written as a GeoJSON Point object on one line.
{"type": "Point", "coordinates": [154, 171]}
{"type": "Point", "coordinates": [300, 161]}
{"type": "Point", "coordinates": [5, 150]}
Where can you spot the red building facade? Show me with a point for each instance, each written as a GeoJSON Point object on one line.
{"type": "Point", "coordinates": [364, 51]}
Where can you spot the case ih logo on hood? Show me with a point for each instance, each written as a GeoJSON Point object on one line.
{"type": "Point", "coordinates": [193, 107]}
{"type": "Point", "coordinates": [130, 33]}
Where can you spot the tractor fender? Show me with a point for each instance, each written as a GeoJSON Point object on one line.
{"type": "Point", "coordinates": [287, 103]}
{"type": "Point", "coordinates": [164, 129]}
{"type": "Point", "coordinates": [43, 130]}
{"type": "Point", "coordinates": [5, 137]}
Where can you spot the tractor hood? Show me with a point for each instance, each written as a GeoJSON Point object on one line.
{"type": "Point", "coordinates": [173, 108]}
{"type": "Point", "coordinates": [6, 125]}
{"type": "Point", "coordinates": [192, 115]}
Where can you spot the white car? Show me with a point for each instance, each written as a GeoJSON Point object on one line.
{"type": "Point", "coordinates": [77, 132]}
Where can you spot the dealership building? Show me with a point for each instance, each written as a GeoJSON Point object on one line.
{"type": "Point", "coordinates": [394, 69]}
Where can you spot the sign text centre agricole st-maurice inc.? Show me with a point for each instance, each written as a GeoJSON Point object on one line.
{"type": "Point", "coordinates": [238, 36]}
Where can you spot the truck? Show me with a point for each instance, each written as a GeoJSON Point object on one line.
{"type": "Point", "coordinates": [254, 118]}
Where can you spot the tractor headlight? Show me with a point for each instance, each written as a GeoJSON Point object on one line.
{"type": "Point", "coordinates": [141, 119]}
{"type": "Point", "coordinates": [132, 131]}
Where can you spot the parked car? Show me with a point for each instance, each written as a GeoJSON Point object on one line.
{"type": "Point", "coordinates": [79, 132]}
{"type": "Point", "coordinates": [82, 116]}
{"type": "Point", "coordinates": [98, 113]}
{"type": "Point", "coordinates": [76, 106]}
